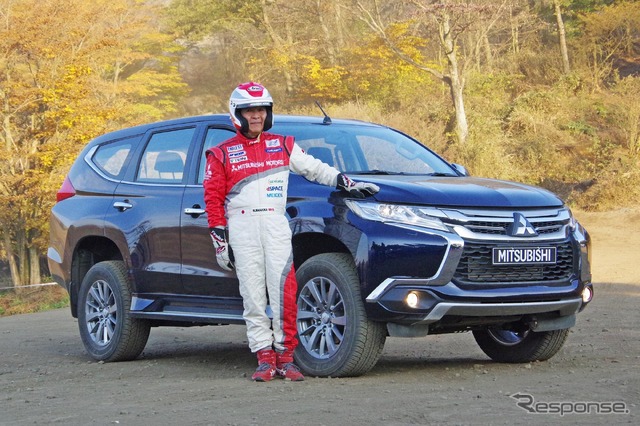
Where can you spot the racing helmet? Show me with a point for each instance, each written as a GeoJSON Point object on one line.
{"type": "Point", "coordinates": [248, 95]}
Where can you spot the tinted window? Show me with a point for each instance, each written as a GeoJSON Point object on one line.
{"type": "Point", "coordinates": [362, 149]}
{"type": "Point", "coordinates": [213, 138]}
{"type": "Point", "coordinates": [112, 157]}
{"type": "Point", "coordinates": [164, 158]}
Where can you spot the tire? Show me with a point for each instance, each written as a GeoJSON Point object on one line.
{"type": "Point", "coordinates": [107, 330]}
{"type": "Point", "coordinates": [520, 346]}
{"type": "Point", "coordinates": [336, 337]}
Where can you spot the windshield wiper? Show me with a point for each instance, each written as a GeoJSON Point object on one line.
{"type": "Point", "coordinates": [388, 173]}
{"type": "Point", "coordinates": [438, 174]}
{"type": "Point", "coordinates": [375, 172]}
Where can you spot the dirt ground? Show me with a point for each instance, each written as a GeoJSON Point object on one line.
{"type": "Point", "coordinates": [199, 376]}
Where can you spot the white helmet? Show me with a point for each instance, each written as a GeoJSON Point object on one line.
{"type": "Point", "coordinates": [248, 95]}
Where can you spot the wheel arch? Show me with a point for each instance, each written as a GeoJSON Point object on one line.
{"type": "Point", "coordinates": [309, 244]}
{"type": "Point", "coordinates": [88, 252]}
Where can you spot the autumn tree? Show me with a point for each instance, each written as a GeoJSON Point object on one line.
{"type": "Point", "coordinates": [450, 19]}
{"type": "Point", "coordinates": [608, 37]}
{"type": "Point", "coordinates": [70, 70]}
{"type": "Point", "coordinates": [254, 34]}
{"type": "Point", "coordinates": [294, 47]}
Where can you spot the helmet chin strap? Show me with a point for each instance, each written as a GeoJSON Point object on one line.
{"type": "Point", "coordinates": [269, 121]}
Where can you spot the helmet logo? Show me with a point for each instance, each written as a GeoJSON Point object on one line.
{"type": "Point", "coordinates": [253, 89]}
{"type": "Point", "coordinates": [521, 227]}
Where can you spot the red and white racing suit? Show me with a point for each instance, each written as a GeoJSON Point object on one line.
{"type": "Point", "coordinates": [245, 187]}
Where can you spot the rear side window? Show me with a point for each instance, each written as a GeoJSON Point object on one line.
{"type": "Point", "coordinates": [164, 158]}
{"type": "Point", "coordinates": [112, 157]}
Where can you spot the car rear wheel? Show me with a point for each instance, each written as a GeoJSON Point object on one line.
{"type": "Point", "coordinates": [503, 345]}
{"type": "Point", "coordinates": [336, 337]}
{"type": "Point", "coordinates": [108, 332]}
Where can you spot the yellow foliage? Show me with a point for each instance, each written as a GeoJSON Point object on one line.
{"type": "Point", "coordinates": [72, 69]}
{"type": "Point", "coordinates": [323, 82]}
{"type": "Point", "coordinates": [377, 74]}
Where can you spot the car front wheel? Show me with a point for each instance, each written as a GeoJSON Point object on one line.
{"type": "Point", "coordinates": [503, 345]}
{"type": "Point", "coordinates": [336, 337]}
{"type": "Point", "coordinates": [107, 330]}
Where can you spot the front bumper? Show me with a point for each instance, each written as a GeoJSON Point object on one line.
{"type": "Point", "coordinates": [445, 297]}
{"type": "Point", "coordinates": [563, 307]}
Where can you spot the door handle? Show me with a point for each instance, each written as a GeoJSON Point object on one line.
{"type": "Point", "coordinates": [122, 205]}
{"type": "Point", "coordinates": [194, 211]}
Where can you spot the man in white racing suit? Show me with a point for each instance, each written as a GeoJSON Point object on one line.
{"type": "Point", "coordinates": [245, 188]}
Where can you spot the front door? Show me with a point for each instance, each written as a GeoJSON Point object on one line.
{"type": "Point", "coordinates": [200, 271]}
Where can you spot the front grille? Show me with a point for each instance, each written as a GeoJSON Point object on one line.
{"type": "Point", "coordinates": [495, 228]}
{"type": "Point", "coordinates": [475, 266]}
{"type": "Point", "coordinates": [549, 227]}
{"type": "Point", "coordinates": [499, 227]}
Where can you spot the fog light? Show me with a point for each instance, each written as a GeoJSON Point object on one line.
{"type": "Point", "coordinates": [587, 294]}
{"type": "Point", "coordinates": [412, 300]}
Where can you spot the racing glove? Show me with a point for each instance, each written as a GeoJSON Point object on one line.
{"type": "Point", "coordinates": [356, 189]}
{"type": "Point", "coordinates": [223, 251]}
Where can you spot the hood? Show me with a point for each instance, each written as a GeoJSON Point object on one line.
{"type": "Point", "coordinates": [460, 192]}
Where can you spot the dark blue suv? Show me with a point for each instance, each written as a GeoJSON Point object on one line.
{"type": "Point", "coordinates": [435, 251]}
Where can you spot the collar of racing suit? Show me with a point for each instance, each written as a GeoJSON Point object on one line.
{"type": "Point", "coordinates": [250, 141]}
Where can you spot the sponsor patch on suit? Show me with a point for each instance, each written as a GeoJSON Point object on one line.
{"type": "Point", "coordinates": [234, 148]}
{"type": "Point", "coordinates": [238, 159]}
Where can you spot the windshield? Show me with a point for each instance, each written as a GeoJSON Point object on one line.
{"type": "Point", "coordinates": [359, 149]}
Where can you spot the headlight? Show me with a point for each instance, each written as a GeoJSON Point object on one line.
{"type": "Point", "coordinates": [392, 213]}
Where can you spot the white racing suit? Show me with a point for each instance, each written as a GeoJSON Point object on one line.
{"type": "Point", "coordinates": [245, 187]}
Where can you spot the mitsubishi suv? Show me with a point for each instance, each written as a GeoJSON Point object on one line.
{"type": "Point", "coordinates": [435, 251]}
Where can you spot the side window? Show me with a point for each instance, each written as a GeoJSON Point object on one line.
{"type": "Point", "coordinates": [330, 149]}
{"type": "Point", "coordinates": [214, 137]}
{"type": "Point", "coordinates": [164, 158]}
{"type": "Point", "coordinates": [111, 157]}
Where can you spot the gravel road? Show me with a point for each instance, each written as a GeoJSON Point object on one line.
{"type": "Point", "coordinates": [200, 376]}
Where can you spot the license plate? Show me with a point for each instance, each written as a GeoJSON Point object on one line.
{"type": "Point", "coordinates": [524, 255]}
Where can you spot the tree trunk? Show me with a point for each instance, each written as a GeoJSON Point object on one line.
{"type": "Point", "coordinates": [562, 38]}
{"type": "Point", "coordinates": [23, 260]}
{"type": "Point", "coordinates": [6, 120]}
{"type": "Point", "coordinates": [515, 43]}
{"type": "Point", "coordinates": [328, 40]}
{"type": "Point", "coordinates": [456, 80]}
{"type": "Point", "coordinates": [288, 47]}
{"type": "Point", "coordinates": [34, 266]}
{"type": "Point", "coordinates": [338, 24]}
{"type": "Point", "coordinates": [13, 265]}
{"type": "Point", "coordinates": [487, 51]}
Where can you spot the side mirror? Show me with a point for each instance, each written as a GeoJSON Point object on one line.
{"type": "Point", "coordinates": [460, 169]}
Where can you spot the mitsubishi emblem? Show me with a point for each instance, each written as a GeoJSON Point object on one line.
{"type": "Point", "coordinates": [521, 227]}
